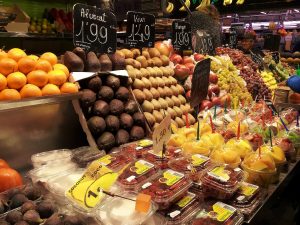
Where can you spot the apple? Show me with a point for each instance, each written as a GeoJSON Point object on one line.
{"type": "Point", "coordinates": [187, 59]}
{"type": "Point", "coordinates": [191, 67]}
{"type": "Point", "coordinates": [213, 78]}
{"type": "Point", "coordinates": [181, 71]}
{"type": "Point", "coordinates": [188, 94]}
{"type": "Point", "coordinates": [216, 100]}
{"type": "Point", "coordinates": [225, 98]}
{"type": "Point", "coordinates": [205, 104]}
{"type": "Point", "coordinates": [213, 90]}
{"type": "Point", "coordinates": [162, 48]}
{"type": "Point", "coordinates": [198, 57]}
{"type": "Point", "coordinates": [176, 59]}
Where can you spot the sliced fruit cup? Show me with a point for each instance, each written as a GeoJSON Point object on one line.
{"type": "Point", "coordinates": [280, 167]}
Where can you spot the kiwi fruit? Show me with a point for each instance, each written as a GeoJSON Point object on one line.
{"type": "Point", "coordinates": [135, 52]}
{"type": "Point", "coordinates": [138, 84]}
{"type": "Point", "coordinates": [159, 72]}
{"type": "Point", "coordinates": [147, 83]}
{"type": "Point", "coordinates": [94, 83]}
{"type": "Point", "coordinates": [126, 121]}
{"type": "Point", "coordinates": [176, 101]}
{"type": "Point", "coordinates": [153, 81]}
{"type": "Point", "coordinates": [182, 99]}
{"type": "Point", "coordinates": [157, 61]}
{"type": "Point", "coordinates": [172, 112]}
{"type": "Point", "coordinates": [156, 104]}
{"type": "Point", "coordinates": [165, 60]}
{"type": "Point", "coordinates": [148, 106]}
{"type": "Point", "coordinates": [161, 92]}
{"type": "Point", "coordinates": [150, 118]}
{"type": "Point", "coordinates": [160, 81]}
{"type": "Point", "coordinates": [170, 102]}
{"type": "Point", "coordinates": [174, 90]}
{"type": "Point", "coordinates": [180, 122]}
{"type": "Point", "coordinates": [106, 141]}
{"type": "Point", "coordinates": [96, 125]}
{"type": "Point", "coordinates": [178, 111]}
{"type": "Point", "coordinates": [139, 95]}
{"type": "Point", "coordinates": [148, 94]}
{"type": "Point", "coordinates": [122, 94]}
{"type": "Point", "coordinates": [158, 116]}
{"type": "Point", "coordinates": [143, 61]}
{"type": "Point", "coordinates": [105, 62]}
{"type": "Point", "coordinates": [116, 107]}
{"type": "Point", "coordinates": [180, 89]}
{"type": "Point", "coordinates": [146, 54]}
{"type": "Point", "coordinates": [150, 62]}
{"type": "Point", "coordinates": [113, 82]}
{"type": "Point", "coordinates": [105, 93]}
{"type": "Point", "coordinates": [112, 123]}
{"type": "Point", "coordinates": [145, 72]}
{"type": "Point", "coordinates": [168, 91]}
{"type": "Point", "coordinates": [131, 107]}
{"type": "Point", "coordinates": [137, 133]}
{"type": "Point", "coordinates": [100, 108]}
{"type": "Point", "coordinates": [122, 137]}
{"type": "Point", "coordinates": [163, 103]}
{"type": "Point", "coordinates": [87, 98]}
{"type": "Point", "coordinates": [139, 119]}
{"type": "Point", "coordinates": [154, 93]}
{"type": "Point", "coordinates": [153, 52]}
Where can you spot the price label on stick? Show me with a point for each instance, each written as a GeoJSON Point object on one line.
{"type": "Point", "coordinates": [140, 30]}
{"type": "Point", "coordinates": [94, 29]}
{"type": "Point", "coordinates": [203, 43]}
{"type": "Point", "coordinates": [161, 134]}
{"type": "Point", "coordinates": [276, 57]}
{"type": "Point", "coordinates": [181, 35]}
{"type": "Point", "coordinates": [232, 38]}
{"type": "Point", "coordinates": [200, 82]}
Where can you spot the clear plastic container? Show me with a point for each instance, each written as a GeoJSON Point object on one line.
{"type": "Point", "coordinates": [288, 147]}
{"type": "Point", "coordinates": [217, 214]}
{"type": "Point", "coordinates": [221, 182]}
{"type": "Point", "coordinates": [115, 161]}
{"type": "Point", "coordinates": [182, 211]}
{"type": "Point", "coordinates": [122, 211]}
{"type": "Point", "coordinates": [157, 158]}
{"type": "Point", "coordinates": [167, 188]}
{"type": "Point", "coordinates": [137, 148]}
{"type": "Point", "coordinates": [60, 156]}
{"type": "Point", "coordinates": [137, 174]}
{"type": "Point", "coordinates": [84, 155]}
{"type": "Point", "coordinates": [190, 165]}
{"type": "Point", "coordinates": [247, 199]}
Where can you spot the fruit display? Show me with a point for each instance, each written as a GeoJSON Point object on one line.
{"type": "Point", "coordinates": [27, 76]}
{"type": "Point", "coordinates": [270, 81]}
{"type": "Point", "coordinates": [154, 86]}
{"type": "Point", "coordinates": [248, 71]}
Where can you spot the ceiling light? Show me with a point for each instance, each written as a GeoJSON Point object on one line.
{"type": "Point", "coordinates": [263, 13]}
{"type": "Point", "coordinates": [296, 10]}
{"type": "Point", "coordinates": [228, 16]}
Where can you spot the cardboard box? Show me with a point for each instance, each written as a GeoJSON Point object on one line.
{"type": "Point", "coordinates": [21, 23]}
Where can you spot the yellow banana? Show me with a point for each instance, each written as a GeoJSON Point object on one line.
{"type": "Point", "coordinates": [203, 4]}
{"type": "Point", "coordinates": [170, 7]}
{"type": "Point", "coordinates": [240, 2]}
{"type": "Point", "coordinates": [187, 3]}
{"type": "Point", "coordinates": [227, 2]}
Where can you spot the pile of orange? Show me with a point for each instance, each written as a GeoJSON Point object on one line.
{"type": "Point", "coordinates": [26, 76]}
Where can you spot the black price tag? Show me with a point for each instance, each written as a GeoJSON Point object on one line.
{"type": "Point", "coordinates": [203, 43]}
{"type": "Point", "coordinates": [232, 42]}
{"type": "Point", "coordinates": [94, 29]}
{"type": "Point", "coordinates": [140, 30]}
{"type": "Point", "coordinates": [200, 82]}
{"type": "Point", "coordinates": [276, 57]}
{"type": "Point", "coordinates": [181, 35]}
{"type": "Point", "coordinates": [257, 59]}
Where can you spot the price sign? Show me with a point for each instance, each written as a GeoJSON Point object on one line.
{"type": "Point", "coordinates": [276, 57]}
{"type": "Point", "coordinates": [272, 42]}
{"type": "Point", "coordinates": [200, 82]}
{"type": "Point", "coordinates": [181, 35]}
{"type": "Point", "coordinates": [257, 59]}
{"type": "Point", "coordinates": [94, 29]}
{"type": "Point", "coordinates": [140, 30]}
{"type": "Point", "coordinates": [232, 38]}
{"type": "Point", "coordinates": [161, 134]}
{"type": "Point", "coordinates": [203, 43]}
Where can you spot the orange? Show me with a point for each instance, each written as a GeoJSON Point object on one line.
{"type": "Point", "coordinates": [62, 67]}
{"type": "Point", "coordinates": [9, 94]}
{"type": "Point", "coordinates": [34, 57]}
{"type": "Point", "coordinates": [50, 89]}
{"type": "Point", "coordinates": [3, 82]}
{"type": "Point", "coordinates": [8, 66]}
{"type": "Point", "coordinates": [50, 57]}
{"type": "Point", "coordinates": [38, 78]}
{"type": "Point", "coordinates": [16, 54]}
{"type": "Point", "coordinates": [30, 90]}
{"type": "Point", "coordinates": [43, 65]}
{"type": "Point", "coordinates": [3, 54]}
{"type": "Point", "coordinates": [16, 80]}
{"type": "Point", "coordinates": [57, 77]}
{"type": "Point", "coordinates": [69, 88]}
{"type": "Point", "coordinates": [26, 65]}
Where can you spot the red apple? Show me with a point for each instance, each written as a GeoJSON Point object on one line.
{"type": "Point", "coordinates": [213, 78]}
{"type": "Point", "coordinates": [206, 104]}
{"type": "Point", "coordinates": [216, 100]}
{"type": "Point", "coordinates": [198, 57]}
{"type": "Point", "coordinates": [225, 98]}
{"type": "Point", "coordinates": [176, 59]}
{"type": "Point", "coordinates": [213, 89]}
{"type": "Point", "coordinates": [187, 59]}
{"type": "Point", "coordinates": [162, 48]}
{"type": "Point", "coordinates": [191, 67]}
{"type": "Point", "coordinates": [181, 72]}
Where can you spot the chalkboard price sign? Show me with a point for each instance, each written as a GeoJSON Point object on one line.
{"type": "Point", "coordinates": [94, 29]}
{"type": "Point", "coordinates": [257, 59]}
{"type": "Point", "coordinates": [181, 35]}
{"type": "Point", "coordinates": [232, 38]}
{"type": "Point", "coordinates": [203, 43]}
{"type": "Point", "coordinates": [140, 30]}
{"type": "Point", "coordinates": [276, 57]}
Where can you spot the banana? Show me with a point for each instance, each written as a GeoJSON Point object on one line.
{"type": "Point", "coordinates": [187, 3]}
{"type": "Point", "coordinates": [227, 2]}
{"type": "Point", "coordinates": [170, 7]}
{"type": "Point", "coordinates": [203, 4]}
{"type": "Point", "coordinates": [240, 2]}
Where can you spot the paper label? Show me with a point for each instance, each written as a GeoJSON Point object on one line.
{"type": "Point", "coordinates": [171, 177]}
{"type": "Point", "coordinates": [157, 154]}
{"type": "Point", "coordinates": [186, 200]}
{"type": "Point", "coordinates": [105, 160]}
{"type": "Point", "coordinates": [219, 173]}
{"type": "Point", "coordinates": [142, 167]}
{"type": "Point", "coordinates": [161, 134]}
{"type": "Point", "coordinates": [223, 211]}
{"type": "Point", "coordinates": [248, 189]}
{"type": "Point", "coordinates": [198, 160]}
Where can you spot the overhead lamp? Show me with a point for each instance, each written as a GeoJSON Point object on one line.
{"type": "Point", "coordinates": [263, 13]}
{"type": "Point", "coordinates": [296, 10]}
{"type": "Point", "coordinates": [228, 16]}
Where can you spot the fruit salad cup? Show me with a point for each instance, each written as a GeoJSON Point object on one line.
{"type": "Point", "coordinates": [226, 156]}
{"type": "Point", "coordinates": [241, 146]}
{"type": "Point", "coordinates": [260, 168]}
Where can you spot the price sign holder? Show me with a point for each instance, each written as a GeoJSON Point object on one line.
{"type": "Point", "coordinates": [276, 57]}
{"type": "Point", "coordinates": [200, 82]}
{"type": "Point", "coordinates": [161, 134]}
{"type": "Point", "coordinates": [203, 43]}
{"type": "Point", "coordinates": [181, 35]}
{"type": "Point", "coordinates": [232, 38]}
{"type": "Point", "coordinates": [140, 30]}
{"type": "Point", "coordinates": [257, 59]}
{"type": "Point", "coordinates": [94, 29]}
